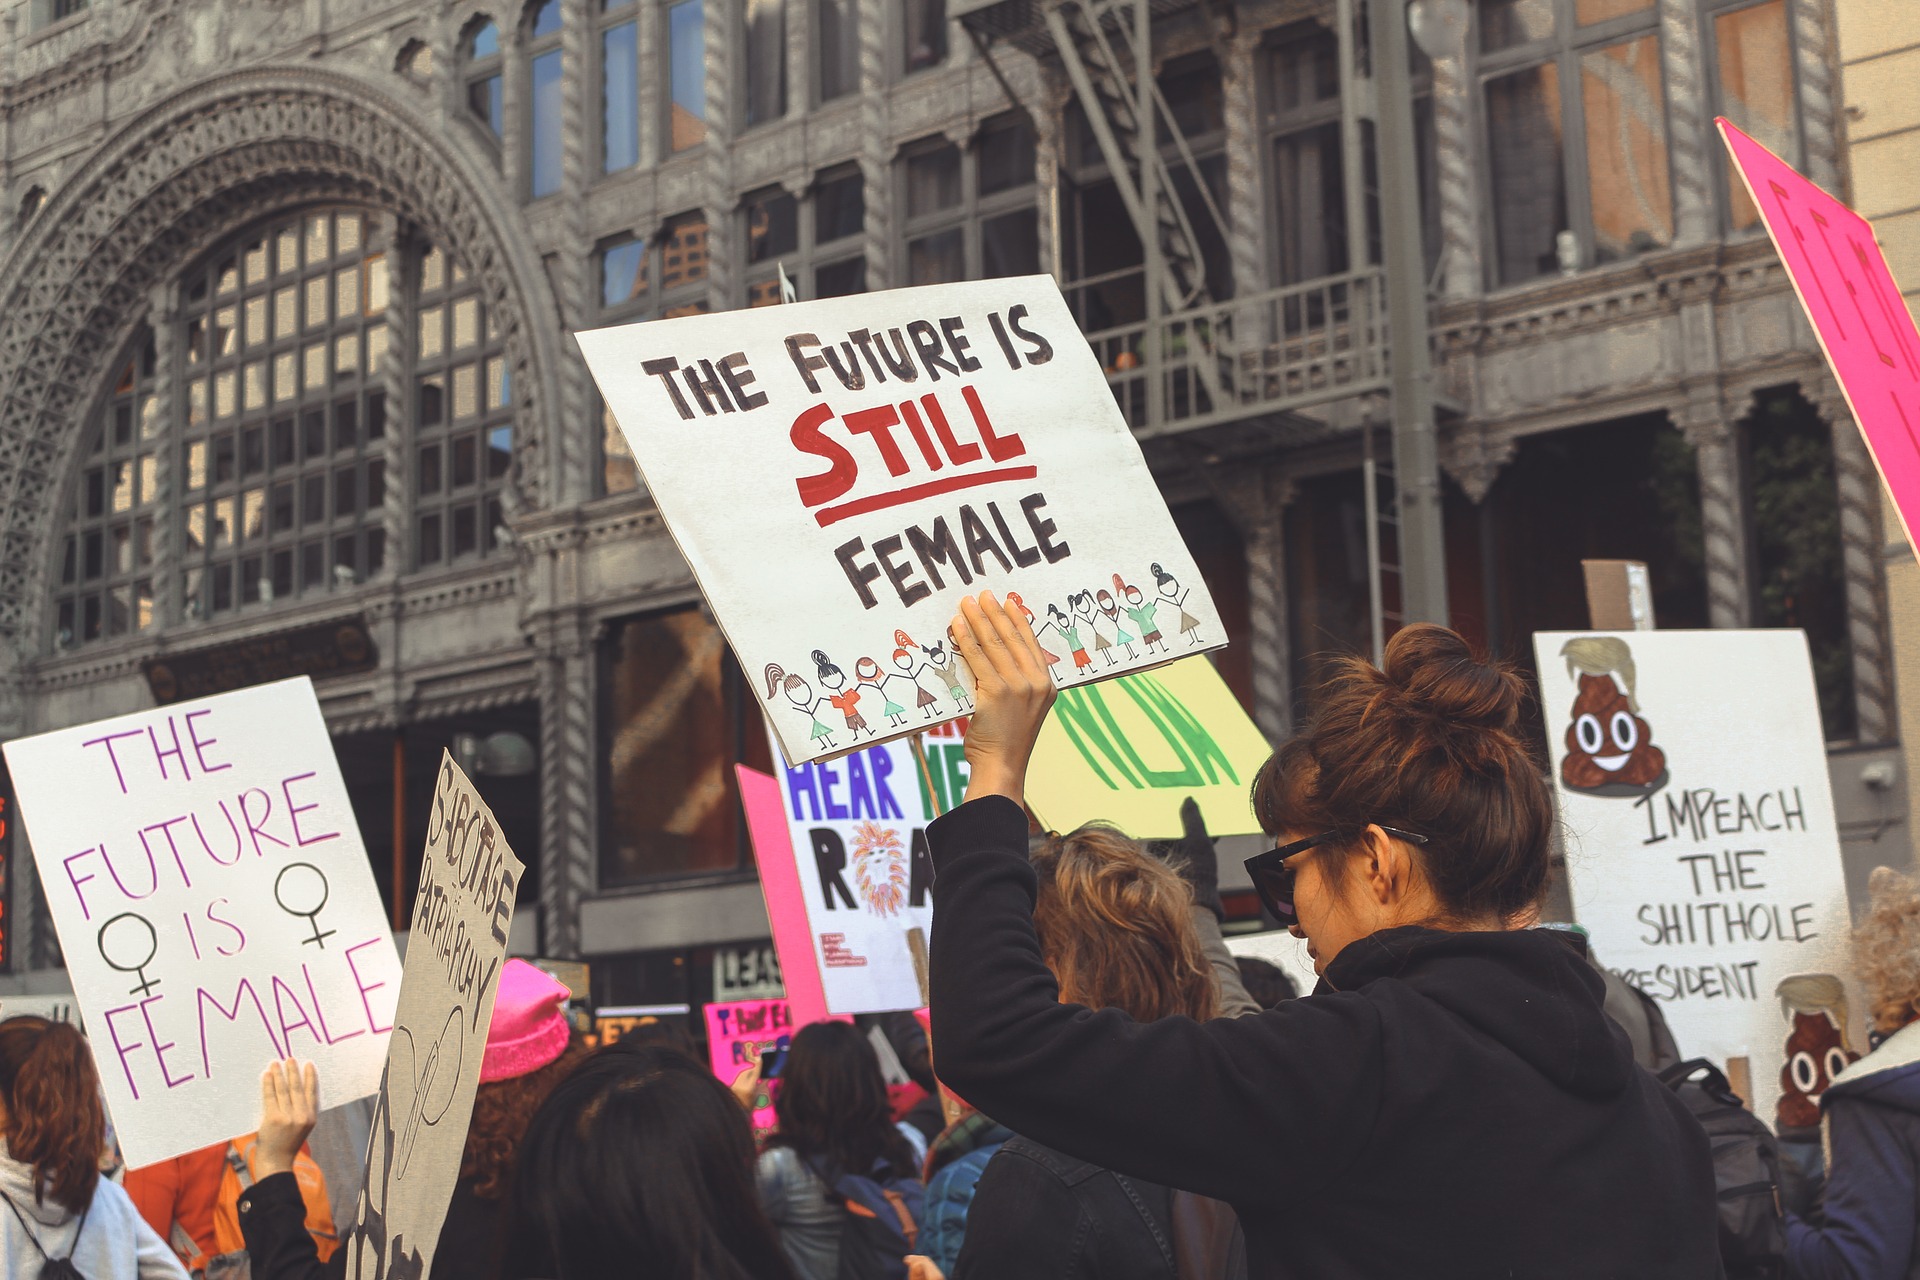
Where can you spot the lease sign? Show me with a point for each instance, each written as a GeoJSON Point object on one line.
{"type": "Point", "coordinates": [1856, 308]}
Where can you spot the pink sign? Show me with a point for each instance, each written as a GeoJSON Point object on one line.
{"type": "Point", "coordinates": [786, 904]}
{"type": "Point", "coordinates": [1856, 308]}
{"type": "Point", "coordinates": [736, 1035]}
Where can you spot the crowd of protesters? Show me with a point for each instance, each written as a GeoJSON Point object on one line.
{"type": "Point", "coordinates": [1462, 1094]}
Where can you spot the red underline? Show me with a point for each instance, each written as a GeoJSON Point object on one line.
{"type": "Point", "coordinates": [933, 488]}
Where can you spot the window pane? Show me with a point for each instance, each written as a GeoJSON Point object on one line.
{"type": "Point", "coordinates": [619, 99]}
{"type": "Point", "coordinates": [773, 227]}
{"type": "Point", "coordinates": [618, 472]}
{"type": "Point", "coordinates": [499, 451]}
{"type": "Point", "coordinates": [433, 329]}
{"type": "Point", "coordinates": [687, 74]}
{"type": "Point", "coordinates": [286, 311]}
{"type": "Point", "coordinates": [466, 323]}
{"type": "Point", "coordinates": [1627, 149]}
{"type": "Point", "coordinates": [316, 302]}
{"type": "Point", "coordinates": [546, 19]}
{"type": "Point", "coordinates": [933, 181]}
{"type": "Point", "coordinates": [839, 208]}
{"type": "Point", "coordinates": [924, 26]}
{"type": "Point", "coordinates": [1756, 89]}
{"type": "Point", "coordinates": [935, 259]}
{"type": "Point", "coordinates": [1505, 23]}
{"type": "Point", "coordinates": [1311, 205]}
{"type": "Point", "coordinates": [1010, 244]}
{"type": "Point", "coordinates": [487, 100]}
{"type": "Point", "coordinates": [671, 809]}
{"type": "Point", "coordinates": [623, 272]}
{"type": "Point", "coordinates": [1006, 155]}
{"type": "Point", "coordinates": [485, 41]}
{"type": "Point", "coordinates": [547, 122]}
{"type": "Point", "coordinates": [1529, 185]}
{"type": "Point", "coordinates": [766, 69]}
{"type": "Point", "coordinates": [683, 255]}
{"type": "Point", "coordinates": [1588, 12]}
{"type": "Point", "coordinates": [839, 48]}
{"type": "Point", "coordinates": [840, 279]}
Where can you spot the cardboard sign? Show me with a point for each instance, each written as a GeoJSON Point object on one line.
{"type": "Point", "coordinates": [1701, 847]}
{"type": "Point", "coordinates": [1857, 310]}
{"type": "Point", "coordinates": [461, 918]}
{"type": "Point", "coordinates": [1128, 751]}
{"type": "Point", "coordinates": [861, 877]}
{"type": "Point", "coordinates": [215, 908]}
{"type": "Point", "coordinates": [737, 1032]}
{"type": "Point", "coordinates": [840, 473]}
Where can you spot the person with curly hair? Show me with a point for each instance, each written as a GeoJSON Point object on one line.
{"type": "Point", "coordinates": [530, 1049]}
{"type": "Point", "coordinates": [52, 1135]}
{"type": "Point", "coordinates": [1864, 1226]}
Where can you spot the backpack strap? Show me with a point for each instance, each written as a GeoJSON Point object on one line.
{"type": "Point", "coordinates": [238, 1163]}
{"type": "Point", "coordinates": [31, 1238]}
{"type": "Point", "coordinates": [1714, 1083]}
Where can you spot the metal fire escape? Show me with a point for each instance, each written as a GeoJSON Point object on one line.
{"type": "Point", "coordinates": [1277, 355]}
{"type": "Point", "coordinates": [1195, 360]}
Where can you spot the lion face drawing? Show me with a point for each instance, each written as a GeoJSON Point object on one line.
{"type": "Point", "coordinates": [880, 868]}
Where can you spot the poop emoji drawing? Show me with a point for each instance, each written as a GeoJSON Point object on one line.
{"type": "Point", "coordinates": [1610, 750]}
{"type": "Point", "coordinates": [1815, 1006]}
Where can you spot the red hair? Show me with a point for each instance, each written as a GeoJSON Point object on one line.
{"type": "Point", "coordinates": [54, 1121]}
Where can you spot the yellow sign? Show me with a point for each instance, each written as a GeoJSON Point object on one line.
{"type": "Point", "coordinates": [1129, 750]}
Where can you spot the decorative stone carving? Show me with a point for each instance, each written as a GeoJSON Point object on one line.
{"type": "Point", "coordinates": [1814, 74]}
{"type": "Point", "coordinates": [168, 186]}
{"type": "Point", "coordinates": [568, 771]}
{"type": "Point", "coordinates": [1707, 425]}
{"type": "Point", "coordinates": [1473, 454]}
{"type": "Point", "coordinates": [1858, 484]}
{"type": "Point", "coordinates": [1246, 218]}
{"type": "Point", "coordinates": [1688, 115]}
{"type": "Point", "coordinates": [876, 150]}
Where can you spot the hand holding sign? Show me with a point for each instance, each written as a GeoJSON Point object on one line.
{"type": "Point", "coordinates": [1012, 693]}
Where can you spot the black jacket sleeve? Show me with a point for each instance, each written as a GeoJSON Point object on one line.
{"type": "Point", "coordinates": [273, 1220]}
{"type": "Point", "coordinates": [1023, 1224]}
{"type": "Point", "coordinates": [1242, 1109]}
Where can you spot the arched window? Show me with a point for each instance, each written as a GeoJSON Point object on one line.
{"type": "Point", "coordinates": [548, 117]}
{"type": "Point", "coordinates": [619, 85]}
{"type": "Point", "coordinates": [269, 463]}
{"type": "Point", "coordinates": [415, 61]}
{"type": "Point", "coordinates": [484, 93]}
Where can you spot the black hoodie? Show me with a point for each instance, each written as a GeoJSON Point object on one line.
{"type": "Point", "coordinates": [1459, 1105]}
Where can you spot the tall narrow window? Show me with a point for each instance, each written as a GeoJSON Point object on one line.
{"type": "Point", "coordinates": [683, 267]}
{"type": "Point", "coordinates": [104, 584]}
{"type": "Point", "coordinates": [838, 211]}
{"type": "Point", "coordinates": [1309, 172]}
{"type": "Point", "coordinates": [619, 90]}
{"type": "Point", "coordinates": [484, 97]}
{"type": "Point", "coordinates": [543, 48]}
{"type": "Point", "coordinates": [624, 295]}
{"type": "Point", "coordinates": [837, 31]}
{"type": "Point", "coordinates": [1753, 59]}
{"type": "Point", "coordinates": [1576, 133]}
{"type": "Point", "coordinates": [462, 446]}
{"type": "Point", "coordinates": [971, 214]}
{"type": "Point", "coordinates": [923, 33]}
{"type": "Point", "coordinates": [766, 35]}
{"type": "Point", "coordinates": [687, 74]}
{"type": "Point", "coordinates": [773, 240]}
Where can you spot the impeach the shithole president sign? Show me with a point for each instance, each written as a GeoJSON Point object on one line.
{"type": "Point", "coordinates": [839, 473]}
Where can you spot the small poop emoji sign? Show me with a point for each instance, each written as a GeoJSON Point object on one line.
{"type": "Point", "coordinates": [1610, 749]}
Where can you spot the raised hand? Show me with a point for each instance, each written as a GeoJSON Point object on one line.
{"type": "Point", "coordinates": [1013, 690]}
{"type": "Point", "coordinates": [289, 1108]}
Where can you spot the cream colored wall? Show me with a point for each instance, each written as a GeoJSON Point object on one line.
{"type": "Point", "coordinates": [1879, 47]}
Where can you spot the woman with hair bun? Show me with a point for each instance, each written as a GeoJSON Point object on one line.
{"type": "Point", "coordinates": [59, 1208]}
{"type": "Point", "coordinates": [1455, 1102]}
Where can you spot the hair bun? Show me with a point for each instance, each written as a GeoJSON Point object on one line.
{"type": "Point", "coordinates": [1434, 671]}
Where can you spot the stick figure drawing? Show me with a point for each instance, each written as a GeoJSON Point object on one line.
{"type": "Point", "coordinates": [1171, 592]}
{"type": "Point", "coordinates": [800, 694]}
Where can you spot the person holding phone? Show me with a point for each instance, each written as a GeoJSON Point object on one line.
{"type": "Point", "coordinates": [1455, 1103]}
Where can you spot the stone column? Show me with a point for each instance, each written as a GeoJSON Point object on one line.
{"type": "Point", "coordinates": [569, 779]}
{"type": "Point", "coordinates": [395, 377]}
{"type": "Point", "coordinates": [799, 21]}
{"type": "Point", "coordinates": [1858, 486]}
{"type": "Point", "coordinates": [876, 143]}
{"type": "Point", "coordinates": [720, 199]}
{"type": "Point", "coordinates": [163, 317]}
{"type": "Point", "coordinates": [1689, 123]}
{"type": "Point", "coordinates": [1246, 210]}
{"type": "Point", "coordinates": [1814, 74]}
{"type": "Point", "coordinates": [575, 440]}
{"type": "Point", "coordinates": [650, 85]}
{"type": "Point", "coordinates": [1444, 38]}
{"type": "Point", "coordinates": [1049, 150]}
{"type": "Point", "coordinates": [516, 107]}
{"type": "Point", "coordinates": [1272, 638]}
{"type": "Point", "coordinates": [1723, 523]}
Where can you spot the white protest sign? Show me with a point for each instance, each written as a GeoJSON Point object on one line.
{"type": "Point", "coordinates": [214, 905]}
{"type": "Point", "coordinates": [54, 1008]}
{"type": "Point", "coordinates": [859, 829]}
{"type": "Point", "coordinates": [1701, 847]}
{"type": "Point", "coordinates": [840, 473]}
{"type": "Point", "coordinates": [462, 915]}
{"type": "Point", "coordinates": [1283, 951]}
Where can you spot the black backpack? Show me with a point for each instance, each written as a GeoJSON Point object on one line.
{"type": "Point", "coordinates": [882, 1223]}
{"type": "Point", "coordinates": [1746, 1171]}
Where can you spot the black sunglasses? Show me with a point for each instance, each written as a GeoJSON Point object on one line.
{"type": "Point", "coordinates": [1273, 878]}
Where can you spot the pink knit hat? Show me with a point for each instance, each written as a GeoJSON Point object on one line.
{"type": "Point", "coordinates": [529, 1027]}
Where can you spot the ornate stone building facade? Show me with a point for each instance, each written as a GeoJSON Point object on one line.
{"type": "Point", "coordinates": [284, 344]}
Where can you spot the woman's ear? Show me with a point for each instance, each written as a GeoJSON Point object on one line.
{"type": "Point", "coordinates": [1385, 870]}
